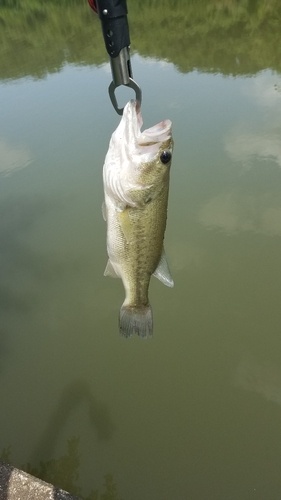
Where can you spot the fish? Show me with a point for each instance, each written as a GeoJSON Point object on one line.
{"type": "Point", "coordinates": [136, 176]}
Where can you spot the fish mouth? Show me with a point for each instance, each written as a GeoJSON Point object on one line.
{"type": "Point", "coordinates": [149, 141]}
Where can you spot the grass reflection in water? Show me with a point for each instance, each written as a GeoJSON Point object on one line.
{"type": "Point", "coordinates": [63, 473]}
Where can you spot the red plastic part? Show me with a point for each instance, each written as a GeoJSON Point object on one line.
{"type": "Point", "coordinates": [93, 5]}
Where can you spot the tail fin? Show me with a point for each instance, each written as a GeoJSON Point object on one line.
{"type": "Point", "coordinates": [136, 320]}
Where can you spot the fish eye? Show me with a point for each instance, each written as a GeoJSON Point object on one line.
{"type": "Point", "coordinates": [165, 157]}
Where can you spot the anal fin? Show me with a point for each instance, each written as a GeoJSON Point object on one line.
{"type": "Point", "coordinates": [163, 272]}
{"type": "Point", "coordinates": [110, 271]}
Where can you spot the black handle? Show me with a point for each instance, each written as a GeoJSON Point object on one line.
{"type": "Point", "coordinates": [115, 28]}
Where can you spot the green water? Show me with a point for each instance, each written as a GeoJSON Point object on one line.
{"type": "Point", "coordinates": [195, 412]}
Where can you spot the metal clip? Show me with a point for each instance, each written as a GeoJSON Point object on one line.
{"type": "Point", "coordinates": [122, 75]}
{"type": "Point", "coordinates": [111, 90]}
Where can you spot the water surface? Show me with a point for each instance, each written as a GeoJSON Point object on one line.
{"type": "Point", "coordinates": [194, 412]}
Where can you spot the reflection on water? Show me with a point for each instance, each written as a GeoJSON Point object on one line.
{"type": "Point", "coordinates": [63, 473]}
{"type": "Point", "coordinates": [243, 146]}
{"type": "Point", "coordinates": [13, 158]}
{"type": "Point", "coordinates": [233, 212]}
{"type": "Point", "coordinates": [73, 396]}
{"type": "Point", "coordinates": [194, 413]}
{"type": "Point", "coordinates": [244, 36]}
{"type": "Point", "coordinates": [263, 378]}
{"type": "Point", "coordinates": [252, 145]}
{"type": "Point", "coordinates": [247, 142]}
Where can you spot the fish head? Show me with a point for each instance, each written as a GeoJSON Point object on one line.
{"type": "Point", "coordinates": [138, 163]}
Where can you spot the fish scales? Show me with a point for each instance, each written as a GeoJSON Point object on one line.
{"type": "Point", "coordinates": [142, 253]}
{"type": "Point", "coordinates": [136, 187]}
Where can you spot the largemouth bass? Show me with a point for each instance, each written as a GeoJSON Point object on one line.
{"type": "Point", "coordinates": [136, 185]}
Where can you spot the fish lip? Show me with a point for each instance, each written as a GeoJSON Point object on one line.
{"type": "Point", "coordinates": [151, 138]}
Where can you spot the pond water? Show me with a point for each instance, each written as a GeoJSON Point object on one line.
{"type": "Point", "coordinates": [195, 411]}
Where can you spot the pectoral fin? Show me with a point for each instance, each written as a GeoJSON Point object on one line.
{"type": "Point", "coordinates": [110, 271]}
{"type": "Point", "coordinates": [162, 272]}
{"type": "Point", "coordinates": [103, 209]}
{"type": "Point", "coordinates": [125, 224]}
